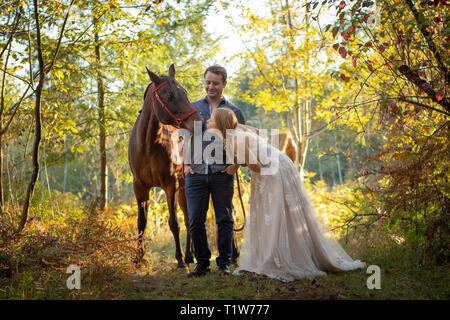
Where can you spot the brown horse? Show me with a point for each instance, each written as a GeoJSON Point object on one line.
{"type": "Point", "coordinates": [285, 143]}
{"type": "Point", "coordinates": [150, 159]}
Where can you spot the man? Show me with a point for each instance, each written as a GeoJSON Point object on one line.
{"type": "Point", "coordinates": [211, 179]}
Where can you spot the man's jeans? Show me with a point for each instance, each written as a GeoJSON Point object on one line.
{"type": "Point", "coordinates": [198, 188]}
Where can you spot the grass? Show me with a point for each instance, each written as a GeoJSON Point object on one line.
{"type": "Point", "coordinates": [401, 278]}
{"type": "Point", "coordinates": [34, 266]}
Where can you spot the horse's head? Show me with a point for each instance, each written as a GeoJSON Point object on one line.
{"type": "Point", "coordinates": [170, 102]}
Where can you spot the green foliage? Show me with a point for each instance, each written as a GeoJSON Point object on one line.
{"type": "Point", "coordinates": [377, 119]}
{"type": "Point", "coordinates": [394, 74]}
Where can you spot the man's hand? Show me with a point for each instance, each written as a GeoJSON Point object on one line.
{"type": "Point", "coordinates": [187, 170]}
{"type": "Point", "coordinates": [231, 169]}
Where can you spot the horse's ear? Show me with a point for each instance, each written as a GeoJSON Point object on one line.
{"type": "Point", "coordinates": [172, 71]}
{"type": "Point", "coordinates": [154, 77]}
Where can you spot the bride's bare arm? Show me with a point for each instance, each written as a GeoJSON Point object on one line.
{"type": "Point", "coordinates": [251, 160]}
{"type": "Point", "coordinates": [245, 127]}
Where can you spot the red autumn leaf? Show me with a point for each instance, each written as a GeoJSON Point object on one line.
{"type": "Point", "coordinates": [437, 19]}
{"type": "Point", "coordinates": [352, 29]}
{"type": "Point", "coordinates": [439, 95]}
{"type": "Point", "coordinates": [381, 48]}
{"type": "Point", "coordinates": [344, 77]}
{"type": "Point", "coordinates": [334, 31]}
{"type": "Point", "coordinates": [368, 44]}
{"type": "Point", "coordinates": [354, 62]}
{"type": "Point", "coordinates": [343, 52]}
{"type": "Point", "coordinates": [366, 17]}
{"type": "Point", "coordinates": [314, 18]}
{"type": "Point", "coordinates": [342, 4]}
{"type": "Point", "coordinates": [335, 46]}
{"type": "Point", "coordinates": [345, 36]}
{"type": "Point", "coordinates": [426, 86]}
{"type": "Point", "coordinates": [392, 103]}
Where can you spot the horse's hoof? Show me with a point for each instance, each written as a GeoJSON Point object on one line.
{"type": "Point", "coordinates": [140, 253]}
{"type": "Point", "coordinates": [182, 269]}
{"type": "Point", "coordinates": [189, 260]}
{"type": "Point", "coordinates": [136, 263]}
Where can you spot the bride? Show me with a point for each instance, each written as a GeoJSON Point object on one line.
{"type": "Point", "coordinates": [284, 238]}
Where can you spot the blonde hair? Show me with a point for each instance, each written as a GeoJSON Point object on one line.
{"type": "Point", "coordinates": [224, 119]}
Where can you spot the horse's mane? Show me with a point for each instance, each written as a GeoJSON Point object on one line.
{"type": "Point", "coordinates": [164, 138]}
{"type": "Point", "coordinates": [145, 93]}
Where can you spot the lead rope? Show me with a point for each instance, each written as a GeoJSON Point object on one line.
{"type": "Point", "coordinates": [242, 203]}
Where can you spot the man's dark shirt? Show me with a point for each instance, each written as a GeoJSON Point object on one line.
{"type": "Point", "coordinates": [205, 110]}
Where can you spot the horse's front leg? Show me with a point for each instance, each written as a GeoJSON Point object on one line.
{"type": "Point", "coordinates": [142, 223]}
{"type": "Point", "coordinates": [141, 193]}
{"type": "Point", "coordinates": [188, 254]}
{"type": "Point", "coordinates": [173, 224]}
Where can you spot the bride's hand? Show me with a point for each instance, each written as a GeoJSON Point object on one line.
{"type": "Point", "coordinates": [231, 170]}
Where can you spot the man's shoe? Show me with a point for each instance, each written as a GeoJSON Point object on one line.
{"type": "Point", "coordinates": [224, 269]}
{"type": "Point", "coordinates": [200, 270]}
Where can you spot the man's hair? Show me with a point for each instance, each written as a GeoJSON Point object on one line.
{"type": "Point", "coordinates": [217, 70]}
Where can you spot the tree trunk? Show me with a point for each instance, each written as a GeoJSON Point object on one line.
{"type": "Point", "coordinates": [298, 137]}
{"type": "Point", "coordinates": [338, 161]}
{"type": "Point", "coordinates": [352, 155]}
{"type": "Point", "coordinates": [43, 70]}
{"type": "Point", "coordinates": [35, 154]}
{"type": "Point", "coordinates": [66, 165]}
{"type": "Point", "coordinates": [101, 122]}
{"type": "Point", "coordinates": [37, 121]}
{"type": "Point", "coordinates": [319, 161]}
{"type": "Point", "coordinates": [1, 174]}
{"type": "Point", "coordinates": [367, 140]}
{"type": "Point", "coordinates": [2, 108]}
{"type": "Point", "coordinates": [332, 176]}
{"type": "Point", "coordinates": [306, 131]}
{"type": "Point", "coordinates": [302, 107]}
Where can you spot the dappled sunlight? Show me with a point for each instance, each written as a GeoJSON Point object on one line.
{"type": "Point", "coordinates": [357, 90]}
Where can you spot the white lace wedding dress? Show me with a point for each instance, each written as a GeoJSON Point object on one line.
{"type": "Point", "coordinates": [284, 237]}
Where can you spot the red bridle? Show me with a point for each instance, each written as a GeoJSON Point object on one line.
{"type": "Point", "coordinates": [155, 95]}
